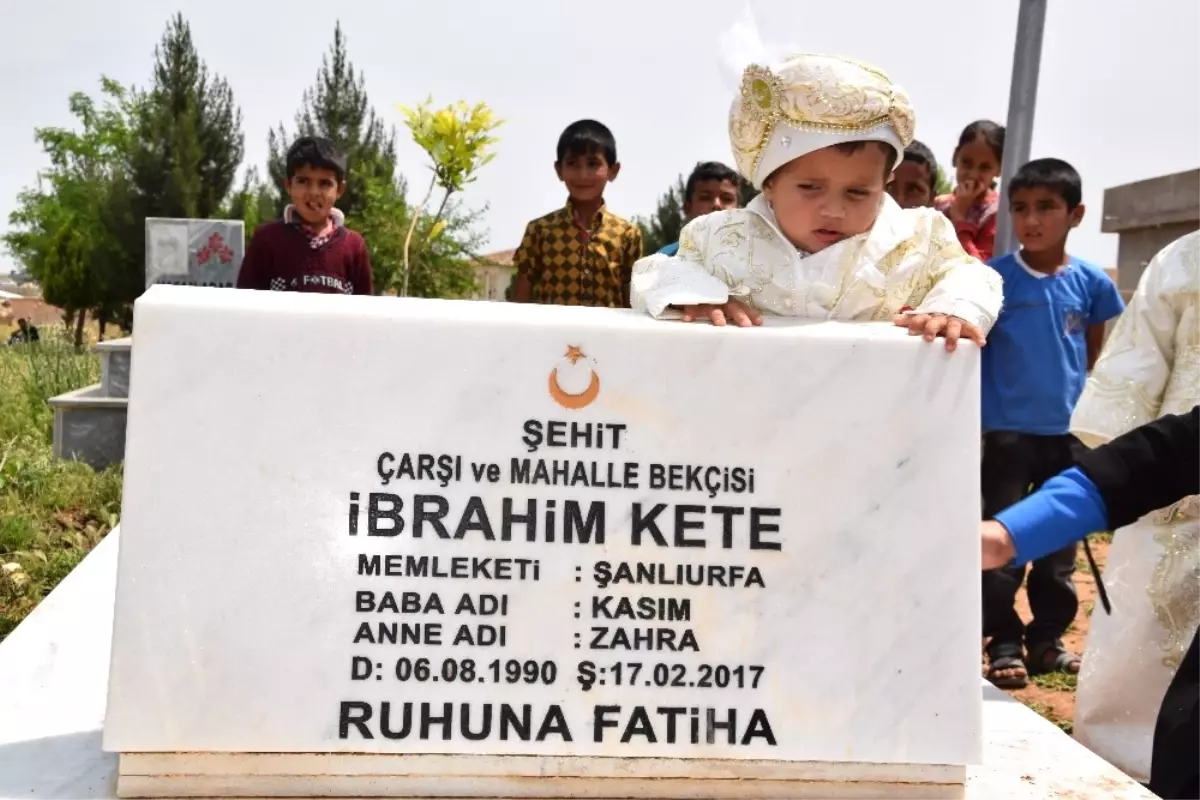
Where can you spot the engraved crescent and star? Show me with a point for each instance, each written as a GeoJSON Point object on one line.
{"type": "Point", "coordinates": [567, 400]}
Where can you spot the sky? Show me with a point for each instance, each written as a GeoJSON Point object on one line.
{"type": "Point", "coordinates": [1117, 97]}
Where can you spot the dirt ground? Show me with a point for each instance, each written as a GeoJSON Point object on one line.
{"type": "Point", "coordinates": [33, 309]}
{"type": "Point", "coordinates": [1053, 696]}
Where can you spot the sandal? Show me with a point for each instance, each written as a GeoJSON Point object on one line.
{"type": "Point", "coordinates": [1007, 659]}
{"type": "Point", "coordinates": [1062, 661]}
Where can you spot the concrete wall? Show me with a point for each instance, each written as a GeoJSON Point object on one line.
{"type": "Point", "coordinates": [1147, 216]}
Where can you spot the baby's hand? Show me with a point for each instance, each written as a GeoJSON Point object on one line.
{"type": "Point", "coordinates": [933, 325]}
{"type": "Point", "coordinates": [734, 311]}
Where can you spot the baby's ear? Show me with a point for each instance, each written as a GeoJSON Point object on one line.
{"type": "Point", "coordinates": [341, 190]}
{"type": "Point", "coordinates": [613, 171]}
{"type": "Point", "coordinates": [1077, 215]}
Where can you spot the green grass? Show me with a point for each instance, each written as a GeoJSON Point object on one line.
{"type": "Point", "coordinates": [1045, 711]}
{"type": "Point", "coordinates": [1057, 681]}
{"type": "Point", "coordinates": [52, 512]}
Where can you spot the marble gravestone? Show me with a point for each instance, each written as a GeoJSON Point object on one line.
{"type": "Point", "coordinates": [449, 549]}
{"type": "Point", "coordinates": [194, 252]}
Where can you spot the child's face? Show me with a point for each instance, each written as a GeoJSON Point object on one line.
{"type": "Point", "coordinates": [828, 195]}
{"type": "Point", "coordinates": [1040, 218]}
{"type": "Point", "coordinates": [313, 191]}
{"type": "Point", "coordinates": [586, 175]}
{"type": "Point", "coordinates": [976, 166]}
{"type": "Point", "coordinates": [709, 196]}
{"type": "Point", "coordinates": [911, 185]}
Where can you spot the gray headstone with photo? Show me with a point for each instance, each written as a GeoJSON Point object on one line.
{"type": "Point", "coordinates": [194, 252]}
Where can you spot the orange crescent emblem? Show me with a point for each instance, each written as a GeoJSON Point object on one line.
{"type": "Point", "coordinates": [570, 401]}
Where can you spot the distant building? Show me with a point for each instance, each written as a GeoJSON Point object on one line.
{"type": "Point", "coordinates": [1147, 216]}
{"type": "Point", "coordinates": [494, 273]}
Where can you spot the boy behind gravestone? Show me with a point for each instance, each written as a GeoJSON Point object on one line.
{"type": "Point", "coordinates": [1046, 339]}
{"type": "Point", "coordinates": [581, 254]}
{"type": "Point", "coordinates": [914, 179]}
{"type": "Point", "coordinates": [310, 249]}
{"type": "Point", "coordinates": [712, 186]}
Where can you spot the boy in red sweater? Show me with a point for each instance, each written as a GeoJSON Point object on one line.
{"type": "Point", "coordinates": [310, 249]}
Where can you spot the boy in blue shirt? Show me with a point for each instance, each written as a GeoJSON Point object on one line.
{"type": "Point", "coordinates": [1047, 337]}
{"type": "Point", "coordinates": [712, 186]}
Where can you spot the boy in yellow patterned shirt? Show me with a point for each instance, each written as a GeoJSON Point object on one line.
{"type": "Point", "coordinates": [581, 254]}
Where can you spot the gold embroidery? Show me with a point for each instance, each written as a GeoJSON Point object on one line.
{"type": "Point", "coordinates": [815, 93]}
{"type": "Point", "coordinates": [869, 277]}
{"type": "Point", "coordinates": [1174, 589]}
{"type": "Point", "coordinates": [1187, 508]}
{"type": "Point", "coordinates": [1183, 387]}
{"type": "Point", "coordinates": [897, 255]}
{"type": "Point", "coordinates": [1125, 405]}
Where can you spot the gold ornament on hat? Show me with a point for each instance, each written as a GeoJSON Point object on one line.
{"type": "Point", "coordinates": [814, 96]}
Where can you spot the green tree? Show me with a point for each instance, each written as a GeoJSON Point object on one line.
{"type": "Point", "coordinates": [664, 225]}
{"type": "Point", "coordinates": [382, 223]}
{"type": "Point", "coordinates": [337, 108]}
{"type": "Point", "coordinates": [442, 267]}
{"type": "Point", "coordinates": [942, 183]}
{"type": "Point", "coordinates": [457, 139]}
{"type": "Point", "coordinates": [253, 203]}
{"type": "Point", "coordinates": [190, 142]}
{"type": "Point", "coordinates": [71, 230]}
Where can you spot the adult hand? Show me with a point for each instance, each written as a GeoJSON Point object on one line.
{"type": "Point", "coordinates": [998, 547]}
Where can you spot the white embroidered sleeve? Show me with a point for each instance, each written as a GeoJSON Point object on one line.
{"type": "Point", "coordinates": [686, 278]}
{"type": "Point", "coordinates": [962, 286]}
{"type": "Point", "coordinates": [1126, 386]}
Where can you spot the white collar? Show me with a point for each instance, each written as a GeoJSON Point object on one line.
{"type": "Point", "coordinates": [892, 226]}
{"type": "Point", "coordinates": [1040, 275]}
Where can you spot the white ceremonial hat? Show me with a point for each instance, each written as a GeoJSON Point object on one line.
{"type": "Point", "coordinates": [812, 101]}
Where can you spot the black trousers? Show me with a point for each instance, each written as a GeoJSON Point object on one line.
{"type": "Point", "coordinates": [1175, 761]}
{"type": "Point", "coordinates": [1014, 464]}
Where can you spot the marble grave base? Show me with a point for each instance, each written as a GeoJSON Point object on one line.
{"type": "Point", "coordinates": [90, 423]}
{"type": "Point", "coordinates": [198, 775]}
{"type": "Point", "coordinates": [54, 668]}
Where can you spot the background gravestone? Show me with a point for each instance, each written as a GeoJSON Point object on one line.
{"type": "Point", "coordinates": [194, 252]}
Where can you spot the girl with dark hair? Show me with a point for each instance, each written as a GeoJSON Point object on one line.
{"type": "Point", "coordinates": [973, 205]}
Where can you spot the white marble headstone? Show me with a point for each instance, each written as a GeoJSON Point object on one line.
{"type": "Point", "coordinates": [408, 526]}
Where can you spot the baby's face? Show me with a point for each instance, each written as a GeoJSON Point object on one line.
{"type": "Point", "coordinates": [828, 195]}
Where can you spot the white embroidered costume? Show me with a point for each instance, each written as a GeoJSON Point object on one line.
{"type": "Point", "coordinates": [1149, 367]}
{"type": "Point", "coordinates": [909, 258]}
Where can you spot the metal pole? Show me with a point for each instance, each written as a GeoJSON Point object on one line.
{"type": "Point", "coordinates": [1022, 100]}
